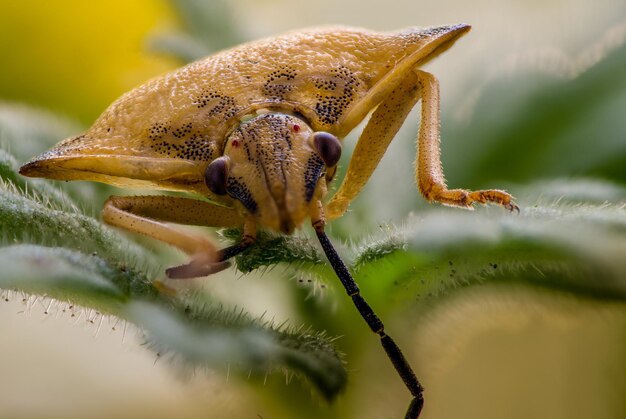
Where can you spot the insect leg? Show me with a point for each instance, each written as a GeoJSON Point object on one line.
{"type": "Point", "coordinates": [373, 321]}
{"type": "Point", "coordinates": [428, 171]}
{"type": "Point", "coordinates": [380, 130]}
{"type": "Point", "coordinates": [195, 268]}
{"type": "Point", "coordinates": [148, 215]}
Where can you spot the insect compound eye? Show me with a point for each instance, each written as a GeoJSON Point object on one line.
{"type": "Point", "coordinates": [328, 147]}
{"type": "Point", "coordinates": [216, 175]}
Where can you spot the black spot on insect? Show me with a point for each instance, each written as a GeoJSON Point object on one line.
{"type": "Point", "coordinates": [158, 130]}
{"type": "Point", "coordinates": [335, 94]}
{"type": "Point", "coordinates": [327, 85]}
{"type": "Point", "coordinates": [183, 130]}
{"type": "Point", "coordinates": [314, 170]}
{"type": "Point", "coordinates": [279, 83]}
{"type": "Point", "coordinates": [216, 104]}
{"type": "Point", "coordinates": [246, 147]}
{"type": "Point", "coordinates": [196, 147]}
{"type": "Point", "coordinates": [279, 131]}
{"type": "Point", "coordinates": [240, 192]}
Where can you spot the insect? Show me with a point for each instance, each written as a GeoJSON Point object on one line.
{"type": "Point", "coordinates": [256, 130]}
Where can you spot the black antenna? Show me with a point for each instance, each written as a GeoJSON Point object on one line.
{"type": "Point", "coordinates": [373, 321]}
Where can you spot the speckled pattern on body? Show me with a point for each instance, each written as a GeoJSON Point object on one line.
{"type": "Point", "coordinates": [331, 77]}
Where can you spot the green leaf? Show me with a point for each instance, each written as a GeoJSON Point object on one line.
{"type": "Point", "coordinates": [214, 336]}
{"type": "Point", "coordinates": [271, 249]}
{"type": "Point", "coordinates": [38, 219]}
{"type": "Point", "coordinates": [62, 274]}
{"type": "Point", "coordinates": [578, 248]}
{"type": "Point", "coordinates": [565, 240]}
{"type": "Point", "coordinates": [188, 330]}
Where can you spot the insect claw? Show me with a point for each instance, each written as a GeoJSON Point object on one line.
{"type": "Point", "coordinates": [512, 207]}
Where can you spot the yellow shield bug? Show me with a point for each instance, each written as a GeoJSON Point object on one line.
{"type": "Point", "coordinates": [257, 130]}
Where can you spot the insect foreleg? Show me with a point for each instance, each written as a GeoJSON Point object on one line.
{"type": "Point", "coordinates": [191, 269]}
{"type": "Point", "coordinates": [148, 215]}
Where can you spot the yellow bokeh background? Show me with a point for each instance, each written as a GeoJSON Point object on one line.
{"type": "Point", "coordinates": [75, 57]}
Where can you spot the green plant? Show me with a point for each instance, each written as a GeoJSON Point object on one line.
{"type": "Point", "coordinates": [561, 146]}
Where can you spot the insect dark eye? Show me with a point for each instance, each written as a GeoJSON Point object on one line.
{"type": "Point", "coordinates": [328, 146]}
{"type": "Point", "coordinates": [215, 176]}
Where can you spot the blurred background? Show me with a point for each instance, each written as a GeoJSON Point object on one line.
{"type": "Point", "coordinates": [533, 97]}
